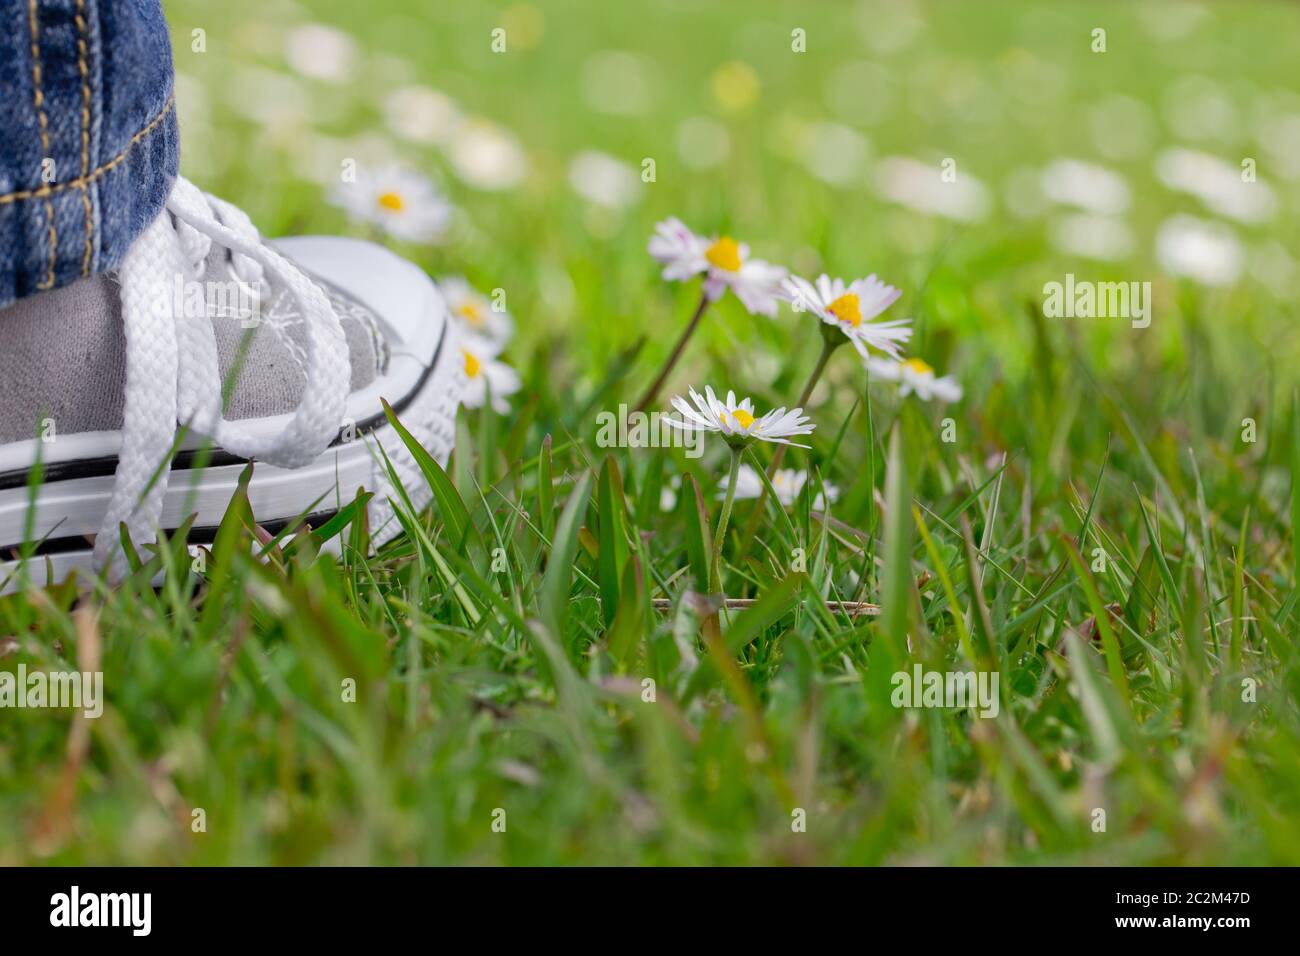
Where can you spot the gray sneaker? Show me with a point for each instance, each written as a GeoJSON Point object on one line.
{"type": "Point", "coordinates": [280, 353]}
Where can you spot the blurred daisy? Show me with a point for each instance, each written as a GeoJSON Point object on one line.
{"type": "Point", "coordinates": [321, 52]}
{"type": "Point", "coordinates": [920, 187]}
{"type": "Point", "coordinates": [402, 203]}
{"type": "Point", "coordinates": [604, 179]}
{"type": "Point", "coordinates": [786, 482]}
{"type": "Point", "coordinates": [736, 421]}
{"type": "Point", "coordinates": [484, 374]}
{"type": "Point", "coordinates": [486, 155]}
{"type": "Point", "coordinates": [914, 375]}
{"type": "Point", "coordinates": [668, 493]}
{"type": "Point", "coordinates": [726, 263]}
{"type": "Point", "coordinates": [1217, 184]}
{"type": "Point", "coordinates": [1208, 252]}
{"type": "Point", "coordinates": [852, 309]}
{"type": "Point", "coordinates": [422, 115]}
{"type": "Point", "coordinates": [1087, 186]}
{"type": "Point", "coordinates": [476, 312]}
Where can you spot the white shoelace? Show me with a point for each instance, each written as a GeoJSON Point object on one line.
{"type": "Point", "coordinates": [172, 372]}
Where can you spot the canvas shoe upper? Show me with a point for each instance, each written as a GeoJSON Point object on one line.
{"type": "Point", "coordinates": [211, 339]}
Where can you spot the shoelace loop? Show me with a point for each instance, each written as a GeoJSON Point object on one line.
{"type": "Point", "coordinates": [172, 370]}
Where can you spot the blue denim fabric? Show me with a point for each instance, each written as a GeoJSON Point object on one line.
{"type": "Point", "coordinates": [89, 145]}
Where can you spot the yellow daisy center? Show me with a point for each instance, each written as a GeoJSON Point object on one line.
{"type": "Point", "coordinates": [918, 366]}
{"type": "Point", "coordinates": [472, 365]}
{"type": "Point", "coordinates": [470, 312]}
{"type": "Point", "coordinates": [742, 417]}
{"type": "Point", "coordinates": [725, 254]}
{"type": "Point", "coordinates": [847, 309]}
{"type": "Point", "coordinates": [391, 201]}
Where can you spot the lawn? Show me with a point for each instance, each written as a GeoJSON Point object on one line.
{"type": "Point", "coordinates": [534, 674]}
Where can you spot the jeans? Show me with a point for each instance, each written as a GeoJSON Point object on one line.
{"type": "Point", "coordinates": [88, 136]}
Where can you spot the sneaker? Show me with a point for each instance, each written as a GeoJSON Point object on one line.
{"type": "Point", "coordinates": [275, 352]}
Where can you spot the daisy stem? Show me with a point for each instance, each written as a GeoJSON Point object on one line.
{"type": "Point", "coordinates": [652, 392]}
{"type": "Point", "coordinates": [829, 346]}
{"type": "Point", "coordinates": [721, 536]}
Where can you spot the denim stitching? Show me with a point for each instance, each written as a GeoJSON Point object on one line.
{"type": "Point", "coordinates": [38, 97]}
{"type": "Point", "coordinates": [98, 171]}
{"type": "Point", "coordinates": [85, 130]}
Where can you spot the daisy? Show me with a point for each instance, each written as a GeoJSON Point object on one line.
{"type": "Point", "coordinates": [786, 482]}
{"type": "Point", "coordinates": [476, 312]}
{"type": "Point", "coordinates": [422, 115]}
{"type": "Point", "coordinates": [736, 421]}
{"type": "Point", "coordinates": [402, 203]}
{"type": "Point", "coordinates": [914, 375]}
{"type": "Point", "coordinates": [668, 493]}
{"type": "Point", "coordinates": [1086, 186]}
{"type": "Point", "coordinates": [321, 52]}
{"type": "Point", "coordinates": [738, 425]}
{"type": "Point", "coordinates": [726, 263]}
{"type": "Point", "coordinates": [486, 155]}
{"type": "Point", "coordinates": [1217, 184]}
{"type": "Point", "coordinates": [484, 374]}
{"type": "Point", "coordinates": [919, 186]}
{"type": "Point", "coordinates": [852, 309]}
{"type": "Point", "coordinates": [1207, 252]}
{"type": "Point", "coordinates": [604, 180]}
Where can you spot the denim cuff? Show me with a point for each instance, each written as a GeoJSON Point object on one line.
{"type": "Point", "coordinates": [89, 144]}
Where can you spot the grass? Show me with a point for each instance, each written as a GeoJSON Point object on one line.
{"type": "Point", "coordinates": [1098, 533]}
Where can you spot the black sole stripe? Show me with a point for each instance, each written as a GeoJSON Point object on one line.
{"type": "Point", "coordinates": [204, 535]}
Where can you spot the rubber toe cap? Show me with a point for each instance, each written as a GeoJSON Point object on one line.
{"type": "Point", "coordinates": [400, 294]}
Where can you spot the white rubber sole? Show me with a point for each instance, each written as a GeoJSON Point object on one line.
{"type": "Point", "coordinates": [70, 504]}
